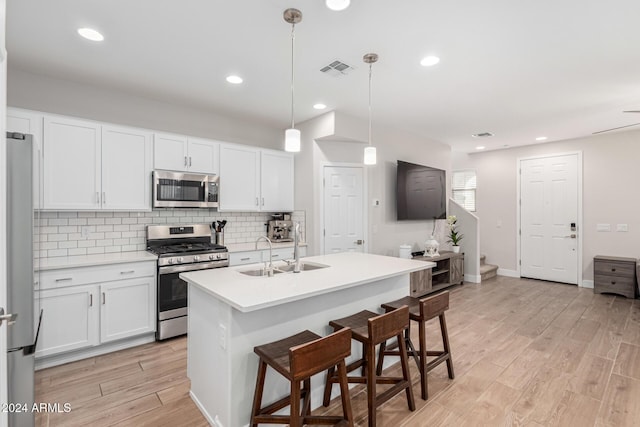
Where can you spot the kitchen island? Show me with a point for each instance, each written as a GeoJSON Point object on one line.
{"type": "Point", "coordinates": [231, 312]}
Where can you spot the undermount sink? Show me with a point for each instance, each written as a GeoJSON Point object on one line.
{"type": "Point", "coordinates": [260, 272]}
{"type": "Point", "coordinates": [304, 266]}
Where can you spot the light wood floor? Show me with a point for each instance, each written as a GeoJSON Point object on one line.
{"type": "Point", "coordinates": [525, 353]}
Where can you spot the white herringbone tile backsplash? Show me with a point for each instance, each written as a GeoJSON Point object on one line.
{"type": "Point", "coordinates": [83, 233]}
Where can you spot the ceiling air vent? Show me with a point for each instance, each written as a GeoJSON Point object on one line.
{"type": "Point", "coordinates": [482, 135]}
{"type": "Point", "coordinates": [337, 69]}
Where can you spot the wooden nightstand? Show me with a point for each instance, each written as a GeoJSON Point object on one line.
{"type": "Point", "coordinates": [615, 275]}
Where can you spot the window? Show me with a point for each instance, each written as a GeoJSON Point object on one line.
{"type": "Point", "coordinates": [463, 186]}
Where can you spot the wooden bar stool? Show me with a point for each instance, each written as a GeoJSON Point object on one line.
{"type": "Point", "coordinates": [422, 310]}
{"type": "Point", "coordinates": [298, 358]}
{"type": "Point", "coordinates": [371, 329]}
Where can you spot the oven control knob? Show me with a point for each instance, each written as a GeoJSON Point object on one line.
{"type": "Point", "coordinates": [179, 260]}
{"type": "Point", "coordinates": [218, 256]}
{"type": "Point", "coordinates": [170, 261]}
{"type": "Point", "coordinates": [196, 258]}
{"type": "Point", "coordinates": [212, 257]}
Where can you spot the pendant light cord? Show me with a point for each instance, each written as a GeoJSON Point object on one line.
{"type": "Point", "coordinates": [370, 66]}
{"type": "Point", "coordinates": [293, 37]}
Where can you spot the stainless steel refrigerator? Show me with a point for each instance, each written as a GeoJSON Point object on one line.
{"type": "Point", "coordinates": [20, 277]}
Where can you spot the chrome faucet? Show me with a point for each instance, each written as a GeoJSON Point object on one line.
{"type": "Point", "coordinates": [269, 269]}
{"type": "Point", "coordinates": [296, 251]}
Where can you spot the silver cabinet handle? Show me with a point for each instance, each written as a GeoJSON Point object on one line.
{"type": "Point", "coordinates": [256, 201]}
{"type": "Point", "coordinates": [263, 201]}
{"type": "Point", "coordinates": [573, 236]}
{"type": "Point", "coordinates": [90, 300]}
{"type": "Point", "coordinates": [64, 279]}
{"type": "Point", "coordinates": [104, 299]}
{"type": "Point", "coordinates": [10, 318]}
{"type": "Point", "coordinates": [185, 160]}
{"type": "Point", "coordinates": [104, 198]}
{"type": "Point", "coordinates": [128, 272]}
{"type": "Point", "coordinates": [97, 198]}
{"type": "Point", "coordinates": [275, 256]}
{"type": "Point", "coordinates": [245, 259]}
{"type": "Point", "coordinates": [189, 161]}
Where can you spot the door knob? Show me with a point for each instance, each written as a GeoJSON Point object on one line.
{"type": "Point", "coordinates": [10, 318]}
{"type": "Point", "coordinates": [358, 242]}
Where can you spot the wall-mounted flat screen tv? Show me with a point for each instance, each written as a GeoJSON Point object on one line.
{"type": "Point", "coordinates": [421, 192]}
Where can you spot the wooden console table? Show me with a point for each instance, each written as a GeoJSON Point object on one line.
{"type": "Point", "coordinates": [614, 275]}
{"type": "Point", "coordinates": [449, 271]}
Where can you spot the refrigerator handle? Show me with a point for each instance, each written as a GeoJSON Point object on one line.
{"type": "Point", "coordinates": [30, 349]}
{"type": "Point", "coordinates": [10, 318]}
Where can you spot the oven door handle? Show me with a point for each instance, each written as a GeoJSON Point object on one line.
{"type": "Point", "coordinates": [192, 267]}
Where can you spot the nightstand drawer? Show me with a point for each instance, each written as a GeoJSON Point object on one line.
{"type": "Point", "coordinates": [625, 286]}
{"type": "Point", "coordinates": [615, 268]}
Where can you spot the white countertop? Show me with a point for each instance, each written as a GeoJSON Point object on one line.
{"type": "Point", "coordinates": [251, 246]}
{"type": "Point", "coordinates": [250, 293]}
{"type": "Point", "coordinates": [94, 259]}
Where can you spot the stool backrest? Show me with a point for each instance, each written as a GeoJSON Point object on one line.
{"type": "Point", "coordinates": [319, 355]}
{"type": "Point", "coordinates": [389, 324]}
{"type": "Point", "coordinates": [434, 306]}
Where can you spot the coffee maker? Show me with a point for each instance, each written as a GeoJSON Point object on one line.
{"type": "Point", "coordinates": [279, 227]}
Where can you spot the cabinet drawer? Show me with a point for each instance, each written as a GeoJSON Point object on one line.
{"type": "Point", "coordinates": [53, 279]}
{"type": "Point", "coordinates": [249, 257]}
{"type": "Point", "coordinates": [614, 284]}
{"type": "Point", "coordinates": [278, 254]}
{"type": "Point", "coordinates": [614, 268]}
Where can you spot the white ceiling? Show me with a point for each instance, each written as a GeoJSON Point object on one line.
{"type": "Point", "coordinates": [518, 69]}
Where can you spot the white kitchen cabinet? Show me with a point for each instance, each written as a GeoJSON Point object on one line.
{"type": "Point", "coordinates": [253, 179]}
{"type": "Point", "coordinates": [126, 168]}
{"type": "Point", "coordinates": [276, 181]}
{"type": "Point", "coordinates": [239, 178]}
{"type": "Point", "coordinates": [127, 308]}
{"type": "Point", "coordinates": [29, 122]}
{"type": "Point", "coordinates": [89, 306]}
{"type": "Point", "coordinates": [71, 164]}
{"type": "Point", "coordinates": [185, 154]}
{"type": "Point", "coordinates": [70, 319]}
{"type": "Point", "coordinates": [89, 166]}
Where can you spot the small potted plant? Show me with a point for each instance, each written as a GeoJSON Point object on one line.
{"type": "Point", "coordinates": [454, 235]}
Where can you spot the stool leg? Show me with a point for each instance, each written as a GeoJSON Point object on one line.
{"type": "Point", "coordinates": [404, 361]}
{"type": "Point", "coordinates": [295, 419]}
{"type": "Point", "coordinates": [257, 397]}
{"type": "Point", "coordinates": [445, 343]}
{"type": "Point", "coordinates": [344, 393]}
{"type": "Point", "coordinates": [381, 350]}
{"type": "Point", "coordinates": [306, 392]}
{"type": "Point", "coordinates": [370, 352]}
{"type": "Point", "coordinates": [411, 350]}
{"type": "Point", "coordinates": [327, 386]}
{"type": "Point", "coordinates": [424, 388]}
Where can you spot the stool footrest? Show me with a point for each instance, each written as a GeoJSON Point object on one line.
{"type": "Point", "coordinates": [280, 404]}
{"type": "Point", "coordinates": [391, 392]}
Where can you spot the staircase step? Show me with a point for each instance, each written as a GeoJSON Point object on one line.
{"type": "Point", "coordinates": [488, 271]}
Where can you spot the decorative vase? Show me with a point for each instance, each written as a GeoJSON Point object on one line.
{"type": "Point", "coordinates": [431, 247]}
{"type": "Point", "coordinates": [455, 249]}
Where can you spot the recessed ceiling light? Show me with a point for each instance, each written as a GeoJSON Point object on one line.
{"type": "Point", "coordinates": [337, 4]}
{"type": "Point", "coordinates": [428, 61]}
{"type": "Point", "coordinates": [236, 80]}
{"type": "Point", "coordinates": [480, 147]}
{"type": "Point", "coordinates": [541, 138]}
{"type": "Point", "coordinates": [90, 34]}
{"type": "Point", "coordinates": [319, 106]}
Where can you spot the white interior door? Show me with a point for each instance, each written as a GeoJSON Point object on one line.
{"type": "Point", "coordinates": [549, 217]}
{"type": "Point", "coordinates": [343, 209]}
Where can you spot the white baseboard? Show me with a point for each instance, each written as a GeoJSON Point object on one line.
{"type": "Point", "coordinates": [472, 278]}
{"type": "Point", "coordinates": [60, 359]}
{"type": "Point", "coordinates": [587, 284]}
{"type": "Point", "coordinates": [212, 421]}
{"type": "Point", "coordinates": [508, 273]}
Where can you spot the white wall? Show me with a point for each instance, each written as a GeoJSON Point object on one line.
{"type": "Point", "coordinates": [611, 173]}
{"type": "Point", "coordinates": [41, 93]}
{"type": "Point", "coordinates": [334, 138]}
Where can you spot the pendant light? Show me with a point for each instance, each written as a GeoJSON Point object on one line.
{"type": "Point", "coordinates": [292, 135]}
{"type": "Point", "coordinates": [370, 151]}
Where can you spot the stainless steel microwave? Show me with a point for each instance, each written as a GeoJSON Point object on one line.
{"type": "Point", "coordinates": [184, 190]}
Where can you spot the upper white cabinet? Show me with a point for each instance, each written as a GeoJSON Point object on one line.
{"type": "Point", "coordinates": [239, 178]}
{"type": "Point", "coordinates": [71, 164]}
{"type": "Point", "coordinates": [126, 168]}
{"type": "Point", "coordinates": [28, 122]}
{"type": "Point", "coordinates": [181, 153]}
{"type": "Point", "coordinates": [88, 166]}
{"type": "Point", "coordinates": [276, 181]}
{"type": "Point", "coordinates": [253, 179]}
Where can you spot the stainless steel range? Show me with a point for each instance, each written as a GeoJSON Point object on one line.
{"type": "Point", "coordinates": [180, 248]}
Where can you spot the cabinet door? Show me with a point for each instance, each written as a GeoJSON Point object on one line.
{"type": "Point", "coordinates": [457, 269]}
{"type": "Point", "coordinates": [127, 308]}
{"type": "Point", "coordinates": [420, 282]}
{"type": "Point", "coordinates": [69, 320]}
{"type": "Point", "coordinates": [30, 123]}
{"type": "Point", "coordinates": [126, 169]}
{"type": "Point", "coordinates": [239, 178]}
{"type": "Point", "coordinates": [170, 152]}
{"type": "Point", "coordinates": [276, 181]}
{"type": "Point", "coordinates": [203, 156]}
{"type": "Point", "coordinates": [71, 164]}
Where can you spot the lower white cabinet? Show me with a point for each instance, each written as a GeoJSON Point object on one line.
{"type": "Point", "coordinates": [88, 306]}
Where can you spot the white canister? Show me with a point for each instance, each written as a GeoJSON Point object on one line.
{"type": "Point", "coordinates": [405, 251]}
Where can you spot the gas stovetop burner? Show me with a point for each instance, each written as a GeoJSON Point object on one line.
{"type": "Point", "coordinates": [184, 244]}
{"type": "Point", "coordinates": [185, 248]}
